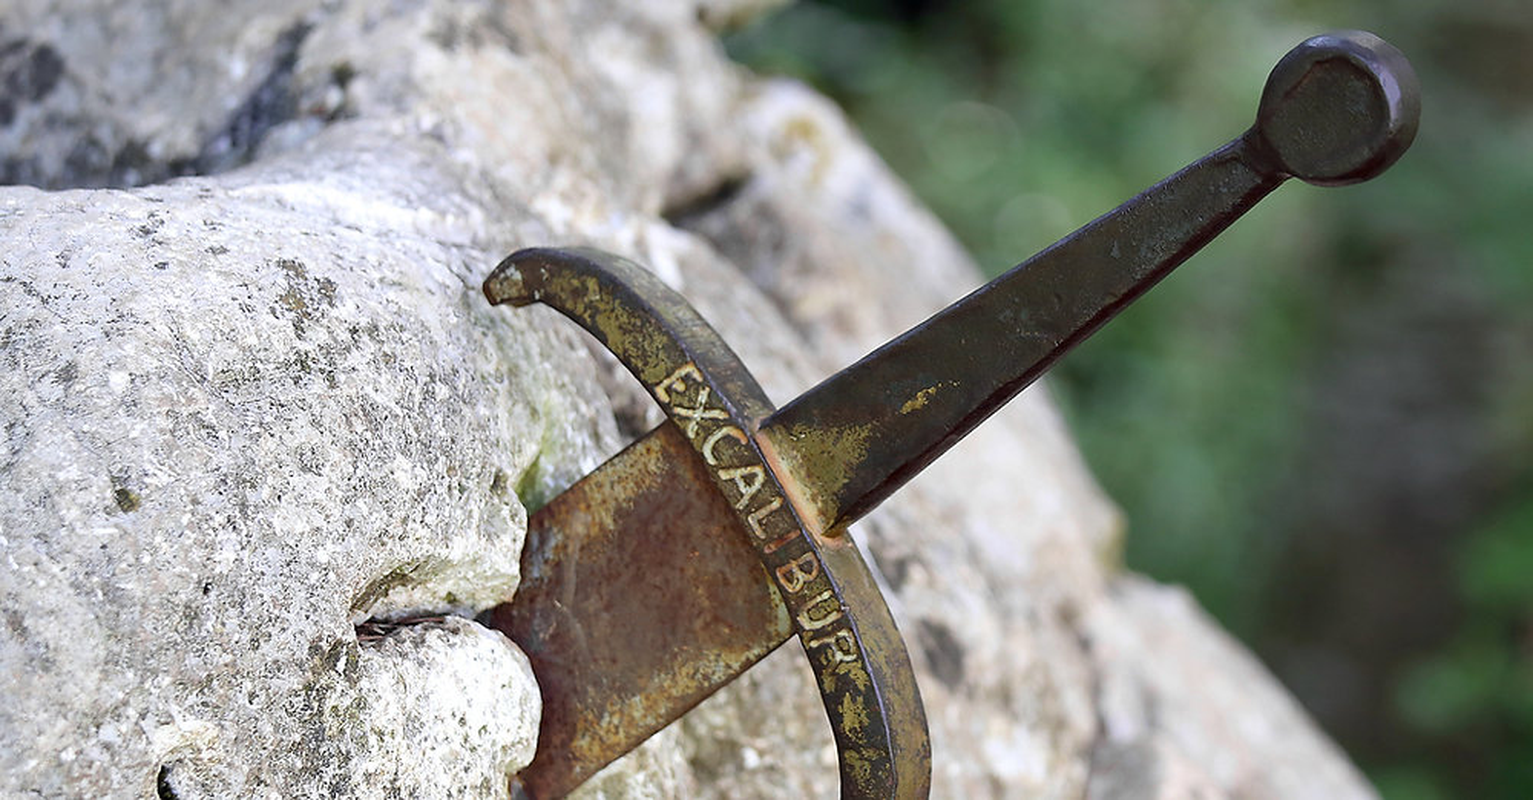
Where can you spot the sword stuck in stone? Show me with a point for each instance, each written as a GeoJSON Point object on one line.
{"type": "Point", "coordinates": [700, 548]}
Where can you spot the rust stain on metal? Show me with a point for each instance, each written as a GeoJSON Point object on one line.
{"type": "Point", "coordinates": [627, 627]}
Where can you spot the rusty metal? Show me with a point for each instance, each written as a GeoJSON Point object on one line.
{"type": "Point", "coordinates": [640, 595]}
{"type": "Point", "coordinates": [686, 558]}
{"type": "Point", "coordinates": [832, 601]}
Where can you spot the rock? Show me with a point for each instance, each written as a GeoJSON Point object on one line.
{"type": "Point", "coordinates": [231, 435]}
{"type": "Point", "coordinates": [258, 401]}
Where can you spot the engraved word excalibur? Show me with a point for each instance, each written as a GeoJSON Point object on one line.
{"type": "Point", "coordinates": [684, 559]}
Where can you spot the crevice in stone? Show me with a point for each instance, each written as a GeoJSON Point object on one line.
{"type": "Point", "coordinates": [162, 787]}
{"type": "Point", "coordinates": [944, 653]}
{"type": "Point", "coordinates": [377, 589]}
{"type": "Point", "coordinates": [738, 220]}
{"type": "Point", "coordinates": [96, 160]}
{"type": "Point", "coordinates": [372, 631]}
{"type": "Point", "coordinates": [379, 612]}
{"type": "Point", "coordinates": [270, 104]}
{"type": "Point", "coordinates": [28, 72]}
{"type": "Point", "coordinates": [532, 489]}
{"type": "Point", "coordinates": [721, 194]}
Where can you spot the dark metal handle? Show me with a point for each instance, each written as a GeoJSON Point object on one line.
{"type": "Point", "coordinates": [1339, 108]}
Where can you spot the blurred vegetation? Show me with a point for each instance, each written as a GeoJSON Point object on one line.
{"type": "Point", "coordinates": [1322, 425]}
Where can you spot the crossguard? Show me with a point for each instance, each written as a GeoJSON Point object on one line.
{"type": "Point", "coordinates": [859, 660]}
{"type": "Point", "coordinates": [1339, 108]}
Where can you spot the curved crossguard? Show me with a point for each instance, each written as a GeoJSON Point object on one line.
{"type": "Point", "coordinates": [836, 608]}
{"type": "Point", "coordinates": [1339, 108]}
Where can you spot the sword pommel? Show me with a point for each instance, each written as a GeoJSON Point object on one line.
{"type": "Point", "coordinates": [1340, 108]}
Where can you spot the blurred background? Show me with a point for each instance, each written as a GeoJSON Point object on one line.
{"type": "Point", "coordinates": [1322, 425]}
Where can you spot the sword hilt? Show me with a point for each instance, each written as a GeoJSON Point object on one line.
{"type": "Point", "coordinates": [1339, 108]}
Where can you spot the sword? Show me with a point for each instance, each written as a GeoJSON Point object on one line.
{"type": "Point", "coordinates": [683, 560]}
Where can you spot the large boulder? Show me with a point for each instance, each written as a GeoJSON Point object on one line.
{"type": "Point", "coordinates": [257, 400]}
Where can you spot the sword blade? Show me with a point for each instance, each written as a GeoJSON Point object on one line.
{"type": "Point", "coordinates": [640, 596]}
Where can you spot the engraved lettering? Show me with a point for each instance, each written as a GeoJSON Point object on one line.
{"type": "Point", "coordinates": [831, 611]}
{"type": "Point", "coordinates": [758, 527]}
{"type": "Point", "coordinates": [793, 575]}
{"type": "Point", "coordinates": [689, 400]}
{"type": "Point", "coordinates": [676, 383]}
{"type": "Point", "coordinates": [842, 644]}
{"type": "Point", "coordinates": [755, 518]}
{"type": "Point", "coordinates": [698, 413]}
{"type": "Point", "coordinates": [713, 440]}
{"type": "Point", "coordinates": [747, 479]}
{"type": "Point", "coordinates": [676, 380]}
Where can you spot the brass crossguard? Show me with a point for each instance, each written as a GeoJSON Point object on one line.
{"type": "Point", "coordinates": [627, 653]}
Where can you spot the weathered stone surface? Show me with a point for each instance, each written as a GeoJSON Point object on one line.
{"type": "Point", "coordinates": [232, 433]}
{"type": "Point", "coordinates": [246, 410]}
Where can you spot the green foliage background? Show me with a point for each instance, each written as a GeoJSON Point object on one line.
{"type": "Point", "coordinates": [1322, 425]}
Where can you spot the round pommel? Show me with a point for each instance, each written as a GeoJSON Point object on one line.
{"type": "Point", "coordinates": [1339, 108]}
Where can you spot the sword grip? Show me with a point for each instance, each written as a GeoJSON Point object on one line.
{"type": "Point", "coordinates": [1339, 108]}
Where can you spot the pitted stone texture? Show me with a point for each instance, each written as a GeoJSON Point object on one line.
{"type": "Point", "coordinates": [383, 703]}
{"type": "Point", "coordinates": [242, 416]}
{"type": "Point", "coordinates": [141, 91]}
{"type": "Point", "coordinates": [245, 411]}
{"type": "Point", "coordinates": [1215, 719]}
